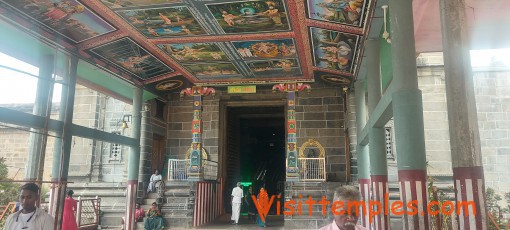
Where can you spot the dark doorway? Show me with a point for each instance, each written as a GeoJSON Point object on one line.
{"type": "Point", "coordinates": [255, 149]}
{"type": "Point", "coordinates": [262, 152]}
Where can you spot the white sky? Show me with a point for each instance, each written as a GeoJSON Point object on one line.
{"type": "Point", "coordinates": [20, 88]}
{"type": "Point", "coordinates": [16, 87]}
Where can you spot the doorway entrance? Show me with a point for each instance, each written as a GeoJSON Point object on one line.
{"type": "Point", "coordinates": [254, 149]}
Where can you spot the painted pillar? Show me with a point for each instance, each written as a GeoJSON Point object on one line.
{"type": "Point", "coordinates": [196, 166]}
{"type": "Point", "coordinates": [134, 160]}
{"type": "Point", "coordinates": [42, 107]}
{"type": "Point", "coordinates": [376, 135]}
{"type": "Point", "coordinates": [408, 115]}
{"type": "Point", "coordinates": [62, 145]}
{"type": "Point", "coordinates": [292, 169]}
{"type": "Point", "coordinates": [146, 139]}
{"type": "Point", "coordinates": [362, 154]}
{"type": "Point", "coordinates": [462, 116]}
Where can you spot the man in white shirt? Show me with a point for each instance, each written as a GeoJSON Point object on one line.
{"type": "Point", "coordinates": [236, 197]}
{"type": "Point", "coordinates": [30, 217]}
{"type": "Point", "coordinates": [348, 219]}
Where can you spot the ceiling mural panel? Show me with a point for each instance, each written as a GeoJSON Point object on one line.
{"type": "Point", "coordinates": [169, 44]}
{"type": "Point", "coordinates": [163, 87]}
{"type": "Point", "coordinates": [69, 18]}
{"type": "Point", "coordinates": [281, 48]}
{"type": "Point", "coordinates": [275, 68]}
{"type": "Point", "coordinates": [116, 4]}
{"type": "Point", "coordinates": [334, 79]}
{"type": "Point", "coordinates": [193, 52]}
{"type": "Point", "coordinates": [333, 49]}
{"type": "Point", "coordinates": [163, 22]}
{"type": "Point", "coordinates": [132, 57]}
{"type": "Point", "coordinates": [349, 12]}
{"type": "Point", "coordinates": [213, 71]}
{"type": "Point", "coordinates": [251, 16]}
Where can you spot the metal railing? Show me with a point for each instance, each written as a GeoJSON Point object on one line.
{"type": "Point", "coordinates": [7, 210]}
{"type": "Point", "coordinates": [178, 170]}
{"type": "Point", "coordinates": [87, 212]}
{"type": "Point", "coordinates": [312, 169]}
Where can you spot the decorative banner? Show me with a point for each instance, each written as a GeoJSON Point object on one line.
{"type": "Point", "coordinates": [242, 89]}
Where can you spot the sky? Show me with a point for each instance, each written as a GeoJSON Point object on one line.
{"type": "Point", "coordinates": [17, 87]}
{"type": "Point", "coordinates": [21, 88]}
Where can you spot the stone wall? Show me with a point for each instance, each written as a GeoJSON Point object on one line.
{"type": "Point", "coordinates": [320, 115]}
{"type": "Point", "coordinates": [180, 115]}
{"type": "Point", "coordinates": [492, 95]}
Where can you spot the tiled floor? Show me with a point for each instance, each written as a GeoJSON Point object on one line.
{"type": "Point", "coordinates": [273, 223]}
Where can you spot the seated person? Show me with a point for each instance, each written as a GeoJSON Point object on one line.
{"type": "Point", "coordinates": [154, 219]}
{"type": "Point", "coordinates": [155, 178]}
{"type": "Point", "coordinates": [139, 215]}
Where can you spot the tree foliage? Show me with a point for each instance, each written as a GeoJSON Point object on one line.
{"type": "Point", "coordinates": [8, 190]}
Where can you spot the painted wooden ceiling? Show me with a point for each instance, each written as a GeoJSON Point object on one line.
{"type": "Point", "coordinates": [170, 44]}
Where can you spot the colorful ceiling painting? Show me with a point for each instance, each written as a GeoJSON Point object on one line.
{"type": "Point", "coordinates": [69, 18]}
{"type": "Point", "coordinates": [275, 68]}
{"type": "Point", "coordinates": [163, 22]}
{"type": "Point", "coordinates": [281, 48]}
{"type": "Point", "coordinates": [333, 50]}
{"type": "Point", "coordinates": [213, 71]}
{"type": "Point", "coordinates": [193, 52]}
{"type": "Point", "coordinates": [115, 4]}
{"type": "Point", "coordinates": [349, 12]}
{"type": "Point", "coordinates": [251, 16]}
{"type": "Point", "coordinates": [132, 57]}
{"type": "Point", "coordinates": [332, 78]}
{"type": "Point", "coordinates": [169, 44]}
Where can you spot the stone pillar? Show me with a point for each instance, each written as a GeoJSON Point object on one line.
{"type": "Point", "coordinates": [42, 107]}
{"type": "Point", "coordinates": [196, 166]}
{"type": "Point", "coordinates": [362, 154]}
{"type": "Point", "coordinates": [376, 135]}
{"type": "Point", "coordinates": [408, 115]}
{"type": "Point", "coordinates": [462, 116]}
{"type": "Point", "coordinates": [146, 139]}
{"type": "Point", "coordinates": [62, 149]}
{"type": "Point", "coordinates": [134, 160]}
{"type": "Point", "coordinates": [292, 169]}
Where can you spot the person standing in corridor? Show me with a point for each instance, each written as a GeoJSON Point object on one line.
{"type": "Point", "coordinates": [235, 201]}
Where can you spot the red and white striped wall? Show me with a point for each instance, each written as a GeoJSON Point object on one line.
{"type": "Point", "coordinates": [132, 187]}
{"type": "Point", "coordinates": [413, 188]}
{"type": "Point", "coordinates": [469, 186]}
{"type": "Point", "coordinates": [364, 189]}
{"type": "Point", "coordinates": [208, 202]}
{"type": "Point", "coordinates": [379, 192]}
